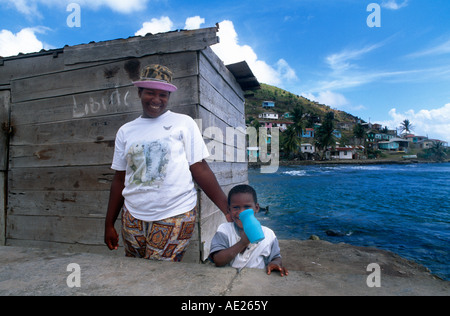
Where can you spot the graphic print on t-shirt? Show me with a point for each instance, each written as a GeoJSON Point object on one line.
{"type": "Point", "coordinates": [148, 162]}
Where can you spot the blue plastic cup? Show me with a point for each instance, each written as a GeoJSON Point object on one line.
{"type": "Point", "coordinates": [252, 226]}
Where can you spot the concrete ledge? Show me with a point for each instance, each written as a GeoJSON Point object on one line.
{"type": "Point", "coordinates": [43, 272]}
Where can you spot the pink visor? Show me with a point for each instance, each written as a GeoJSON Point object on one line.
{"type": "Point", "coordinates": [155, 85]}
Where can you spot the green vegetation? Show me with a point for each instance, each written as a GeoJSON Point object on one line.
{"type": "Point", "coordinates": [286, 102]}
{"type": "Point", "coordinates": [302, 113]}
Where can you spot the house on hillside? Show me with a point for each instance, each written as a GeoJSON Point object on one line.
{"type": "Point", "coordinates": [415, 139]}
{"type": "Point", "coordinates": [343, 153]}
{"type": "Point", "coordinates": [394, 144]}
{"type": "Point", "coordinates": [337, 133]}
{"type": "Point", "coordinates": [346, 126]}
{"type": "Point", "coordinates": [388, 145]}
{"type": "Point", "coordinates": [308, 133]}
{"type": "Point", "coordinates": [268, 116]}
{"type": "Point", "coordinates": [282, 125]}
{"type": "Point", "coordinates": [428, 143]}
{"type": "Point", "coordinates": [268, 104]}
{"type": "Point", "coordinates": [307, 148]}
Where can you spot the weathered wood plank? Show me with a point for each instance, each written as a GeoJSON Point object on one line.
{"type": "Point", "coordinates": [87, 130]}
{"type": "Point", "coordinates": [4, 140]}
{"type": "Point", "coordinates": [62, 155]}
{"type": "Point", "coordinates": [4, 128]}
{"type": "Point", "coordinates": [89, 231]}
{"type": "Point", "coordinates": [223, 71]}
{"type": "Point", "coordinates": [217, 104]}
{"type": "Point", "coordinates": [96, 104]}
{"type": "Point", "coordinates": [221, 80]}
{"type": "Point", "coordinates": [65, 108]}
{"type": "Point", "coordinates": [116, 74]}
{"type": "Point", "coordinates": [88, 178]}
{"type": "Point", "coordinates": [178, 41]}
{"type": "Point", "coordinates": [90, 204]}
{"type": "Point", "coordinates": [26, 66]}
{"type": "Point", "coordinates": [229, 173]}
{"type": "Point", "coordinates": [222, 140]}
{"type": "Point", "coordinates": [2, 208]}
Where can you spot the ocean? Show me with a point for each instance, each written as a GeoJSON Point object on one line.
{"type": "Point", "coordinates": [401, 208]}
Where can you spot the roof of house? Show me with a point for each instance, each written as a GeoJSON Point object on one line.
{"type": "Point", "coordinates": [140, 46]}
{"type": "Point", "coordinates": [244, 76]}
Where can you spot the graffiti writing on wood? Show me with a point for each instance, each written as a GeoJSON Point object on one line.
{"type": "Point", "coordinates": [93, 106]}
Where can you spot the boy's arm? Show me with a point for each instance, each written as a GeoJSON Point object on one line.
{"type": "Point", "coordinates": [207, 181]}
{"type": "Point", "coordinates": [224, 257]}
{"type": "Point", "coordinates": [114, 206]}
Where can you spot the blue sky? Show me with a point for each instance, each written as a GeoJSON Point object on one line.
{"type": "Point", "coordinates": [321, 49]}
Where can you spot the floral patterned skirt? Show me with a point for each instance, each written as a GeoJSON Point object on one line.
{"type": "Point", "coordinates": [161, 240]}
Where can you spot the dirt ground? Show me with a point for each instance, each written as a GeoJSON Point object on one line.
{"type": "Point", "coordinates": [323, 256]}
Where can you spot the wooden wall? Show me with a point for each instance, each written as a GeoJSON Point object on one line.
{"type": "Point", "coordinates": [65, 112]}
{"type": "Point", "coordinates": [4, 132]}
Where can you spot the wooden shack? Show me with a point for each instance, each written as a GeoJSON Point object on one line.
{"type": "Point", "coordinates": [60, 110]}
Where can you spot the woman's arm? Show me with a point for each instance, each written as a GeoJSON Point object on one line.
{"type": "Point", "coordinates": [207, 181]}
{"type": "Point", "coordinates": [114, 206]}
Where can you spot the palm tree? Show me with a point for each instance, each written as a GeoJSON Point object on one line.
{"type": "Point", "coordinates": [297, 117]}
{"type": "Point", "coordinates": [290, 141]}
{"type": "Point", "coordinates": [437, 151]}
{"type": "Point", "coordinates": [324, 135]}
{"type": "Point", "coordinates": [359, 132]}
{"type": "Point", "coordinates": [406, 126]}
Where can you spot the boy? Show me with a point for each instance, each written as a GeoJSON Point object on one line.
{"type": "Point", "coordinates": [157, 157]}
{"type": "Point", "coordinates": [230, 244]}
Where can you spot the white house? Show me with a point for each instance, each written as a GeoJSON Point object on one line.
{"type": "Point", "coordinates": [269, 116]}
{"type": "Point", "coordinates": [307, 148]}
{"type": "Point", "coordinates": [342, 153]}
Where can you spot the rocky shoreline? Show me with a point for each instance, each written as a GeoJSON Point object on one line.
{"type": "Point", "coordinates": [345, 162]}
{"type": "Point", "coordinates": [323, 256]}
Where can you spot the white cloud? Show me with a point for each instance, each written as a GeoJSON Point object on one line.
{"type": "Point", "coordinates": [24, 41]}
{"type": "Point", "coordinates": [341, 61]}
{"type": "Point", "coordinates": [30, 8]}
{"type": "Point", "coordinates": [194, 23]}
{"type": "Point", "coordinates": [230, 51]}
{"type": "Point", "coordinates": [26, 7]}
{"type": "Point", "coordinates": [328, 98]}
{"type": "Point", "coordinates": [161, 25]}
{"type": "Point", "coordinates": [440, 49]}
{"type": "Point", "coordinates": [345, 72]}
{"type": "Point", "coordinates": [334, 100]}
{"type": "Point", "coordinates": [121, 6]}
{"type": "Point", "coordinates": [285, 70]}
{"type": "Point", "coordinates": [393, 5]}
{"type": "Point", "coordinates": [165, 24]}
{"type": "Point", "coordinates": [433, 123]}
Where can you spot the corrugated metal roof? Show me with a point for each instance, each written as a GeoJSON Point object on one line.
{"type": "Point", "coordinates": [244, 76]}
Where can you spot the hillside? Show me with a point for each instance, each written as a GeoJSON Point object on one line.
{"type": "Point", "coordinates": [286, 102]}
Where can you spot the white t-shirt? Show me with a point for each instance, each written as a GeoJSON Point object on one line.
{"type": "Point", "coordinates": [156, 154]}
{"type": "Point", "coordinates": [257, 255]}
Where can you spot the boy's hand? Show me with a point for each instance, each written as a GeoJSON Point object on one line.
{"type": "Point", "coordinates": [228, 217]}
{"type": "Point", "coordinates": [276, 265]}
{"type": "Point", "coordinates": [244, 238]}
{"type": "Point", "coordinates": [111, 238]}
